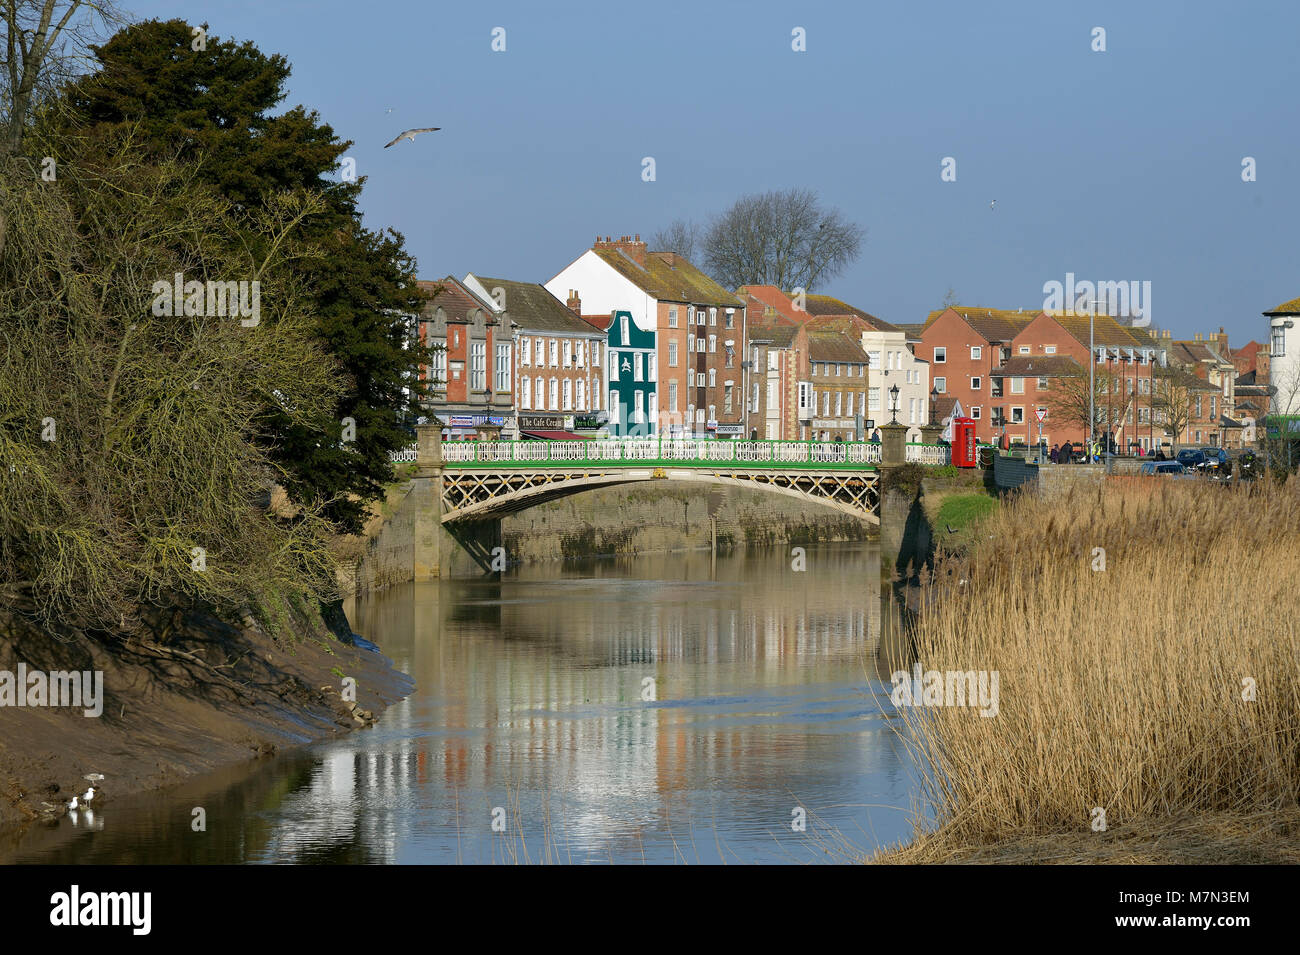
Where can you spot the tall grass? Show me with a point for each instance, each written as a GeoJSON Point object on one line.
{"type": "Point", "coordinates": [1120, 688]}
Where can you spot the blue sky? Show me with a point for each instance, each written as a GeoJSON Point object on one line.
{"type": "Point", "coordinates": [1119, 165]}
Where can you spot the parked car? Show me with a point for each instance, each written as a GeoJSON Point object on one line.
{"type": "Point", "coordinates": [1192, 458]}
{"type": "Point", "coordinates": [1163, 468]}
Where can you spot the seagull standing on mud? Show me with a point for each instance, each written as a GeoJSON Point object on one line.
{"type": "Point", "coordinates": [411, 134]}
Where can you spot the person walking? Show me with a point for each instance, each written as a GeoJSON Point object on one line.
{"type": "Point", "coordinates": [1055, 454]}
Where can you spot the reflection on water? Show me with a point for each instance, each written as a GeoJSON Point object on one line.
{"type": "Point", "coordinates": [654, 709]}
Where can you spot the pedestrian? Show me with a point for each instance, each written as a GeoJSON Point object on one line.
{"type": "Point", "coordinates": [1055, 454]}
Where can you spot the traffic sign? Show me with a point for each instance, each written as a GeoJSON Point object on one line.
{"type": "Point", "coordinates": [1041, 414]}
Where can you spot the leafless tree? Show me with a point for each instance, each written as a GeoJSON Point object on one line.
{"type": "Point", "coordinates": [785, 238]}
{"type": "Point", "coordinates": [1173, 391]}
{"type": "Point", "coordinates": [45, 42]}
{"type": "Point", "coordinates": [1068, 400]}
{"type": "Point", "coordinates": [134, 438]}
{"type": "Point", "coordinates": [681, 236]}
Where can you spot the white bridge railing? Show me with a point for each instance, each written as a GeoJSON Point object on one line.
{"type": "Point", "coordinates": [635, 451]}
{"type": "Point", "coordinates": [929, 454]}
{"type": "Point", "coordinates": [676, 451]}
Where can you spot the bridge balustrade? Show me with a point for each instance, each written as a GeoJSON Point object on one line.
{"type": "Point", "coordinates": [936, 454]}
{"type": "Point", "coordinates": [677, 450]}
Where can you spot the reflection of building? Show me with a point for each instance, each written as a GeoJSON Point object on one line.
{"type": "Point", "coordinates": [531, 698]}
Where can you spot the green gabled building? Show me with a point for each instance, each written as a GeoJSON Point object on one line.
{"type": "Point", "coordinates": [631, 371]}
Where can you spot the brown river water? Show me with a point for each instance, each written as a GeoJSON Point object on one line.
{"type": "Point", "coordinates": [660, 709]}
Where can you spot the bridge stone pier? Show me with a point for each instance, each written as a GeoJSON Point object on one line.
{"type": "Point", "coordinates": [439, 547]}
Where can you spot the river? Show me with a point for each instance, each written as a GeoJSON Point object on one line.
{"type": "Point", "coordinates": [660, 709]}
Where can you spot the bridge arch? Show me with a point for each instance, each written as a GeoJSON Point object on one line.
{"type": "Point", "coordinates": [480, 494]}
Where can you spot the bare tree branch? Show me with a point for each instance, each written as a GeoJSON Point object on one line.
{"type": "Point", "coordinates": [681, 236]}
{"type": "Point", "coordinates": [782, 238]}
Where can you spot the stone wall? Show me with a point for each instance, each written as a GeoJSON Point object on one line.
{"type": "Point", "coordinates": [1056, 480]}
{"type": "Point", "coordinates": [644, 518]}
{"type": "Point", "coordinates": [387, 555]}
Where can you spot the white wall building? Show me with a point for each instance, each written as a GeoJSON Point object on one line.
{"type": "Point", "coordinates": [891, 363]}
{"type": "Point", "coordinates": [1284, 357]}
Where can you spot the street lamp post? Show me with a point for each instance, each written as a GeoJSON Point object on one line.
{"type": "Point", "coordinates": [1092, 375]}
{"type": "Point", "coordinates": [893, 401]}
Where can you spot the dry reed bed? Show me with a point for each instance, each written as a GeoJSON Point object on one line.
{"type": "Point", "coordinates": [1120, 688]}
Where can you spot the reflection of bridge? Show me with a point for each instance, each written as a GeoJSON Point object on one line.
{"type": "Point", "coordinates": [487, 479]}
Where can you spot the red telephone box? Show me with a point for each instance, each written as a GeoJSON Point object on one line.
{"type": "Point", "coordinates": [965, 453]}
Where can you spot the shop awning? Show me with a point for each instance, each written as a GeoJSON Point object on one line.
{"type": "Point", "coordinates": [554, 435]}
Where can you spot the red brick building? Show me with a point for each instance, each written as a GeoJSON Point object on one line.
{"type": "Point", "coordinates": [964, 346]}
{"type": "Point", "coordinates": [1126, 359]}
{"type": "Point", "coordinates": [462, 373]}
{"type": "Point", "coordinates": [1004, 366]}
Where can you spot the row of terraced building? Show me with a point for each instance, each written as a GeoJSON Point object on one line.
{"type": "Point", "coordinates": [625, 340]}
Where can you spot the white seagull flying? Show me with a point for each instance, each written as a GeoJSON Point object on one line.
{"type": "Point", "coordinates": [411, 134]}
{"type": "Point", "coordinates": [993, 203]}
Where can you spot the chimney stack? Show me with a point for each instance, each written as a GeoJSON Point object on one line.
{"type": "Point", "coordinates": [633, 248]}
{"type": "Point", "coordinates": [574, 303]}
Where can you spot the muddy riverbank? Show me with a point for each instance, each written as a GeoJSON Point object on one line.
{"type": "Point", "coordinates": [208, 697]}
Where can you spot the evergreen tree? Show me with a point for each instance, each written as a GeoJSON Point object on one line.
{"type": "Point", "coordinates": [215, 106]}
